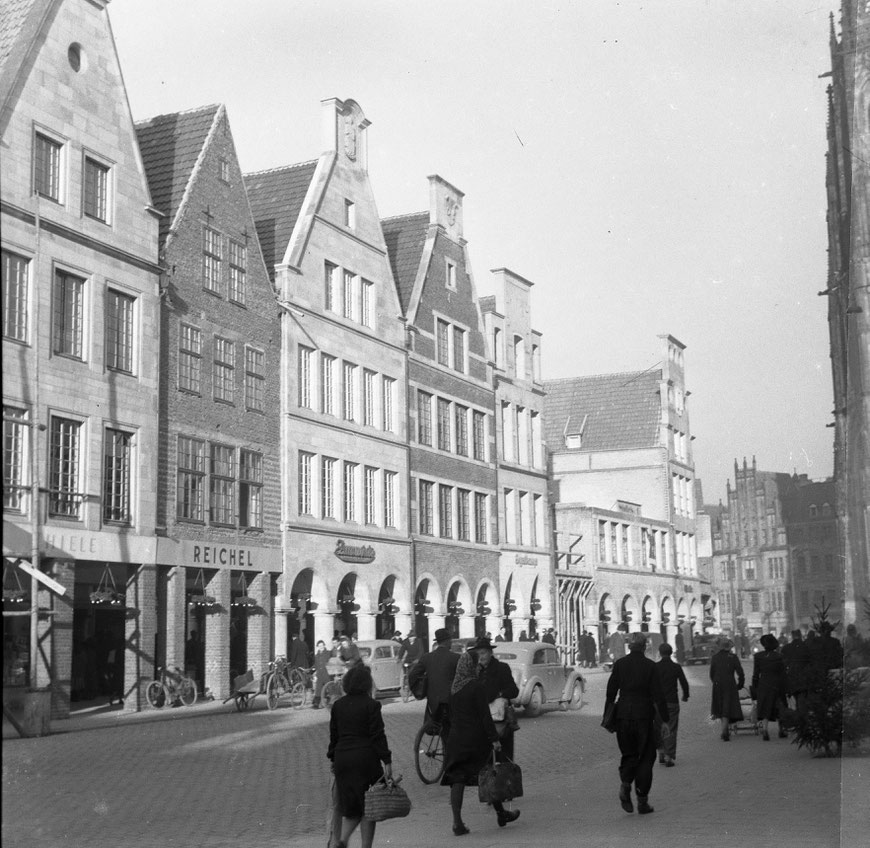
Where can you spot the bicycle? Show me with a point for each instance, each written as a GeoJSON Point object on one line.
{"type": "Point", "coordinates": [171, 688]}
{"type": "Point", "coordinates": [284, 680]}
{"type": "Point", "coordinates": [405, 688]}
{"type": "Point", "coordinates": [429, 751]}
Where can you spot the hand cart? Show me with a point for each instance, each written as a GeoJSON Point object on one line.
{"type": "Point", "coordinates": [750, 715]}
{"type": "Point", "coordinates": [245, 689]}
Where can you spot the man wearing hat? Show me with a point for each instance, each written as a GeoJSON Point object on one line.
{"type": "Point", "coordinates": [498, 682]}
{"type": "Point", "coordinates": [671, 675]}
{"type": "Point", "coordinates": [635, 679]}
{"type": "Point", "coordinates": [437, 668]}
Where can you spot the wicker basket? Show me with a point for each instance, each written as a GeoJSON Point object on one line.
{"type": "Point", "coordinates": [386, 801]}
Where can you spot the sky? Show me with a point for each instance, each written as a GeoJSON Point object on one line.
{"type": "Point", "coordinates": [653, 167]}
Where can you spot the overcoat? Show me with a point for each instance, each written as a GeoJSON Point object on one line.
{"type": "Point", "coordinates": [472, 732]}
{"type": "Point", "coordinates": [769, 683]}
{"type": "Point", "coordinates": [728, 679]}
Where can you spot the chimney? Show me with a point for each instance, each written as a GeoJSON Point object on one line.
{"type": "Point", "coordinates": [445, 206]}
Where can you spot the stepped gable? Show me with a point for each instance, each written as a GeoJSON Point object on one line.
{"type": "Point", "coordinates": [622, 411]}
{"type": "Point", "coordinates": [171, 145]}
{"type": "Point", "coordinates": [405, 236]}
{"type": "Point", "coordinates": [276, 197]}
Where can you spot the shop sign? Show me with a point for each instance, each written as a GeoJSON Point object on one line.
{"type": "Point", "coordinates": [214, 555]}
{"type": "Point", "coordinates": [354, 553]}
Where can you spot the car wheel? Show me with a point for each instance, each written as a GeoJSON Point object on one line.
{"type": "Point", "coordinates": [536, 702]}
{"type": "Point", "coordinates": [576, 701]}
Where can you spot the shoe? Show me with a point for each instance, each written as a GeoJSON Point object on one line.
{"type": "Point", "coordinates": [765, 736]}
{"type": "Point", "coordinates": [726, 737]}
{"type": "Point", "coordinates": [507, 816]}
{"type": "Point", "coordinates": [460, 829]}
{"type": "Point", "coordinates": [669, 763]}
{"type": "Point", "coordinates": [662, 759]}
{"type": "Point", "coordinates": [643, 806]}
{"type": "Point", "coordinates": [625, 797]}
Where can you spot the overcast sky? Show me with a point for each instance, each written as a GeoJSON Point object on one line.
{"type": "Point", "coordinates": [654, 167]}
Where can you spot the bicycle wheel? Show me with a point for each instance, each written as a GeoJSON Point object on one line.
{"type": "Point", "coordinates": [155, 694]}
{"type": "Point", "coordinates": [274, 689]}
{"type": "Point", "coordinates": [187, 692]}
{"type": "Point", "coordinates": [405, 690]}
{"type": "Point", "coordinates": [429, 755]}
{"type": "Point", "coordinates": [298, 694]}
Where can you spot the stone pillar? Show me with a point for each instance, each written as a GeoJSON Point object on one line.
{"type": "Point", "coordinates": [217, 636]}
{"type": "Point", "coordinates": [281, 625]}
{"type": "Point", "coordinates": [519, 625]}
{"type": "Point", "coordinates": [466, 626]}
{"type": "Point", "coordinates": [260, 624]}
{"type": "Point", "coordinates": [176, 601]}
{"type": "Point", "coordinates": [140, 634]}
{"type": "Point", "coordinates": [404, 622]}
{"type": "Point", "coordinates": [493, 624]}
{"type": "Point", "coordinates": [365, 626]}
{"type": "Point", "coordinates": [323, 627]}
{"type": "Point", "coordinates": [671, 633]}
{"type": "Point", "coordinates": [63, 571]}
{"type": "Point", "coordinates": [435, 622]}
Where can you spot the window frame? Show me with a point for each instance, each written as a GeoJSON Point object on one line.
{"type": "Point", "coordinates": [255, 379]}
{"type": "Point", "coordinates": [57, 180]}
{"type": "Point", "coordinates": [390, 479]}
{"type": "Point", "coordinates": [328, 465]}
{"type": "Point", "coordinates": [115, 338]}
{"type": "Point", "coordinates": [16, 294]}
{"type": "Point", "coordinates": [224, 370]}
{"type": "Point", "coordinates": [59, 328]}
{"type": "Point", "coordinates": [305, 356]}
{"type": "Point", "coordinates": [237, 266]}
{"type": "Point", "coordinates": [212, 260]}
{"type": "Point", "coordinates": [250, 489]}
{"type": "Point", "coordinates": [74, 496]}
{"type": "Point", "coordinates": [444, 430]}
{"type": "Point", "coordinates": [118, 487]}
{"type": "Point", "coordinates": [101, 166]}
{"type": "Point", "coordinates": [16, 458]}
{"type": "Point", "coordinates": [425, 508]}
{"type": "Point", "coordinates": [445, 511]}
{"type": "Point", "coordinates": [424, 418]}
{"type": "Point", "coordinates": [190, 356]}
{"type": "Point", "coordinates": [190, 479]}
{"type": "Point", "coordinates": [222, 485]}
{"type": "Point", "coordinates": [349, 474]}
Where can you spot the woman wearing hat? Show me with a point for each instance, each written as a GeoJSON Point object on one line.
{"type": "Point", "coordinates": [728, 679]}
{"type": "Point", "coordinates": [769, 684]}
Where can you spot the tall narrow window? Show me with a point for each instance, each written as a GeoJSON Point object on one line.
{"type": "Point", "coordinates": [211, 259]}
{"type": "Point", "coordinates": [523, 436]}
{"type": "Point", "coordinates": [250, 489]}
{"type": "Point", "coordinates": [15, 283]}
{"type": "Point", "coordinates": [238, 272]}
{"type": "Point", "coordinates": [68, 325]}
{"type": "Point", "coordinates": [461, 418]}
{"type": "Point", "coordinates": [390, 498]}
{"type": "Point", "coordinates": [442, 342]}
{"type": "Point", "coordinates": [525, 519]}
{"type": "Point", "coordinates": [369, 496]}
{"type": "Point", "coordinates": [255, 379]}
{"type": "Point", "coordinates": [190, 359]}
{"type": "Point", "coordinates": [15, 458]}
{"type": "Point", "coordinates": [536, 460]}
{"type": "Point", "coordinates": [327, 384]}
{"type": "Point", "coordinates": [538, 511]}
{"type": "Point", "coordinates": [389, 401]}
{"type": "Point", "coordinates": [510, 516]}
{"type": "Point", "coordinates": [349, 372]}
{"type": "Point", "coordinates": [459, 349]}
{"type": "Point", "coordinates": [508, 429]}
{"type": "Point", "coordinates": [367, 304]}
{"type": "Point", "coordinates": [222, 485]}
{"type": "Point", "coordinates": [190, 491]}
{"type": "Point", "coordinates": [424, 418]}
{"type": "Point", "coordinates": [348, 304]}
{"type": "Point", "coordinates": [426, 508]}
{"type": "Point", "coordinates": [119, 331]}
{"type": "Point", "coordinates": [463, 515]}
{"type": "Point", "coordinates": [444, 424]}
{"type": "Point", "coordinates": [329, 285]}
{"type": "Point", "coordinates": [368, 397]}
{"type": "Point", "coordinates": [481, 536]}
{"type": "Point", "coordinates": [445, 512]}
{"type": "Point", "coordinates": [350, 482]}
{"type": "Point", "coordinates": [497, 354]}
{"type": "Point", "coordinates": [224, 375]}
{"type": "Point", "coordinates": [117, 477]}
{"type": "Point", "coordinates": [96, 190]}
{"type": "Point", "coordinates": [478, 420]}
{"type": "Point", "coordinates": [306, 484]}
{"type": "Point", "coordinates": [306, 355]}
{"type": "Point", "coordinates": [450, 274]}
{"type": "Point", "coordinates": [519, 358]}
{"type": "Point", "coordinates": [64, 478]}
{"type": "Point", "coordinates": [327, 487]}
{"type": "Point", "coordinates": [46, 167]}
{"type": "Point", "coordinates": [350, 214]}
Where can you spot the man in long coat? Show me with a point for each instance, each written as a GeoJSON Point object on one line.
{"type": "Point", "coordinates": [439, 668]}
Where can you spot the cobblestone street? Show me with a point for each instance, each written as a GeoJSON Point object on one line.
{"type": "Point", "coordinates": [210, 776]}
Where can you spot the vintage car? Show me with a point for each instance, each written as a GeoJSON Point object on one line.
{"type": "Point", "coordinates": [382, 657]}
{"type": "Point", "coordinates": [541, 676]}
{"type": "Point", "coordinates": [702, 648]}
{"type": "Point", "coordinates": [460, 646]}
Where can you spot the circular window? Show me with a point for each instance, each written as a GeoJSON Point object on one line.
{"type": "Point", "coordinates": [77, 58]}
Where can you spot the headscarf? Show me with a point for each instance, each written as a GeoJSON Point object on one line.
{"type": "Point", "coordinates": [466, 671]}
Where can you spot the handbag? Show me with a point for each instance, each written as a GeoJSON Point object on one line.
{"type": "Point", "coordinates": [610, 722]}
{"type": "Point", "coordinates": [386, 800]}
{"type": "Point", "coordinates": [499, 781]}
{"type": "Point", "coordinates": [498, 708]}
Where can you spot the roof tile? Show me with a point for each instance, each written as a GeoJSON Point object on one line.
{"type": "Point", "coordinates": [405, 236]}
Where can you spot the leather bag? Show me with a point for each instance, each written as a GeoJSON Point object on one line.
{"type": "Point", "coordinates": [386, 800]}
{"type": "Point", "coordinates": [499, 781]}
{"type": "Point", "coordinates": [610, 722]}
{"type": "Point", "coordinates": [498, 709]}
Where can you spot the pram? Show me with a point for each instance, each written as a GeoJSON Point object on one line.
{"type": "Point", "coordinates": [749, 724]}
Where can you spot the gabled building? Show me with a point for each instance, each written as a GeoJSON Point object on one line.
{"type": "Point", "coordinates": [80, 358]}
{"type": "Point", "coordinates": [451, 403]}
{"type": "Point", "coordinates": [525, 539]}
{"type": "Point", "coordinates": [622, 478]}
{"type": "Point", "coordinates": [219, 496]}
{"type": "Point", "coordinates": [344, 452]}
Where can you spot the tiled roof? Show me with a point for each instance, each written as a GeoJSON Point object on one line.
{"type": "Point", "coordinates": [405, 236]}
{"type": "Point", "coordinates": [276, 198]}
{"type": "Point", "coordinates": [621, 410]}
{"type": "Point", "coordinates": [14, 35]}
{"type": "Point", "coordinates": [171, 145]}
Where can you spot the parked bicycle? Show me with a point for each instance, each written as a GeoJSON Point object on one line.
{"type": "Point", "coordinates": [171, 687]}
{"type": "Point", "coordinates": [285, 680]}
{"type": "Point", "coordinates": [429, 751]}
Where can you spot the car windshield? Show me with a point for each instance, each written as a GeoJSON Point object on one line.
{"type": "Point", "coordinates": [365, 653]}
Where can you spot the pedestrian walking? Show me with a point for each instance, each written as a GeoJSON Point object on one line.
{"type": "Point", "coordinates": [348, 652]}
{"type": "Point", "coordinates": [498, 683]}
{"type": "Point", "coordinates": [471, 741]}
{"type": "Point", "coordinates": [298, 653]}
{"type": "Point", "coordinates": [438, 667]}
{"type": "Point", "coordinates": [590, 649]}
{"type": "Point", "coordinates": [635, 680]}
{"type": "Point", "coordinates": [769, 685]}
{"type": "Point", "coordinates": [357, 748]}
{"type": "Point", "coordinates": [671, 675]}
{"type": "Point", "coordinates": [728, 679]}
{"type": "Point", "coordinates": [797, 660]}
{"type": "Point", "coordinates": [412, 649]}
{"type": "Point", "coordinates": [322, 655]}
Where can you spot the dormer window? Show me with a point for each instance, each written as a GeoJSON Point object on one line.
{"type": "Point", "coordinates": [574, 441]}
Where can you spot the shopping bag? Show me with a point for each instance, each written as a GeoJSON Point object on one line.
{"type": "Point", "coordinates": [499, 781]}
{"type": "Point", "coordinates": [386, 800]}
{"type": "Point", "coordinates": [497, 709]}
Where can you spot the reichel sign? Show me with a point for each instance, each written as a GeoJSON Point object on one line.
{"type": "Point", "coordinates": [354, 553]}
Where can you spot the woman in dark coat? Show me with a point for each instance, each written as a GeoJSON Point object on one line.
{"type": "Point", "coordinates": [471, 741]}
{"type": "Point", "coordinates": [357, 747]}
{"type": "Point", "coordinates": [728, 679]}
{"type": "Point", "coordinates": [769, 684]}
